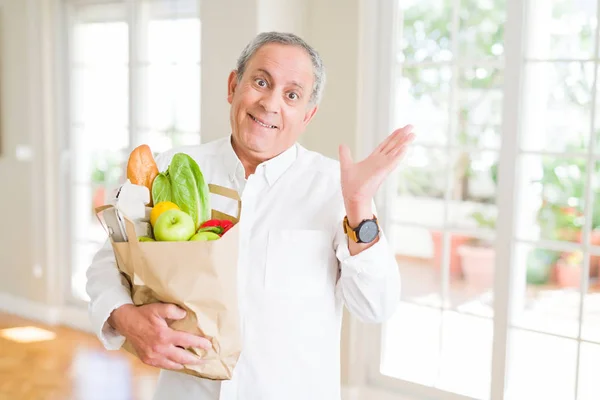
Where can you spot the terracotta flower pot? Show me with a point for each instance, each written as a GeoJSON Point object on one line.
{"type": "Point", "coordinates": [567, 275]}
{"type": "Point", "coordinates": [455, 242]}
{"type": "Point", "coordinates": [594, 260]}
{"type": "Point", "coordinates": [478, 264]}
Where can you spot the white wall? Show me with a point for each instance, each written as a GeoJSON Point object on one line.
{"type": "Point", "coordinates": [23, 245]}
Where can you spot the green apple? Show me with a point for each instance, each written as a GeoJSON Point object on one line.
{"type": "Point", "coordinates": [205, 236]}
{"type": "Point", "coordinates": [174, 226]}
{"type": "Point", "coordinates": [146, 239]}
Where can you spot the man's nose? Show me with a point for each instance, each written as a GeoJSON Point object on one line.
{"type": "Point", "coordinates": [270, 102]}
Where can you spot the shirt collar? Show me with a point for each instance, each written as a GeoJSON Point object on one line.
{"type": "Point", "coordinates": [272, 169]}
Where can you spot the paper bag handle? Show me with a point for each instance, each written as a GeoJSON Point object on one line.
{"type": "Point", "coordinates": [99, 210]}
{"type": "Point", "coordinates": [229, 193]}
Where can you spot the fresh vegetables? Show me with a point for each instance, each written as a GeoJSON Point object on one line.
{"type": "Point", "coordinates": [184, 185]}
{"type": "Point", "coordinates": [204, 236]}
{"type": "Point", "coordinates": [218, 226]}
{"type": "Point", "coordinates": [180, 197]}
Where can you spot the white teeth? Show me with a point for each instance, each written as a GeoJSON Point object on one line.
{"type": "Point", "coordinates": [260, 123]}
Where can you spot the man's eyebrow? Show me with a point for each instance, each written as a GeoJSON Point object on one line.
{"type": "Point", "coordinates": [264, 71]}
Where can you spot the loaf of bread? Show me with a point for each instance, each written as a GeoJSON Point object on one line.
{"type": "Point", "coordinates": [141, 168]}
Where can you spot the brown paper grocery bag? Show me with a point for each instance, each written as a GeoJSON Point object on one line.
{"type": "Point", "coordinates": [198, 276]}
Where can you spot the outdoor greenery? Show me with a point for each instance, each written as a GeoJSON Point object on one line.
{"type": "Point", "coordinates": [427, 37]}
{"type": "Point", "coordinates": [472, 113]}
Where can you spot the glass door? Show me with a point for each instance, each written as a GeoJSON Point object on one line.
{"type": "Point", "coordinates": [134, 77]}
{"type": "Point", "coordinates": [471, 103]}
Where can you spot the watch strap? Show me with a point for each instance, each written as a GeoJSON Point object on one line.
{"type": "Point", "coordinates": [353, 232]}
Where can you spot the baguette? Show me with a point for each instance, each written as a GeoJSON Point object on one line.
{"type": "Point", "coordinates": [141, 168]}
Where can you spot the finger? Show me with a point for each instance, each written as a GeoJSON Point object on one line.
{"type": "Point", "coordinates": [165, 364]}
{"type": "Point", "coordinates": [397, 155]}
{"type": "Point", "coordinates": [169, 311]}
{"type": "Point", "coordinates": [400, 137]}
{"type": "Point", "coordinates": [391, 137]}
{"type": "Point", "coordinates": [186, 340]}
{"type": "Point", "coordinates": [345, 156]}
{"type": "Point", "coordinates": [400, 146]}
{"type": "Point", "coordinates": [183, 357]}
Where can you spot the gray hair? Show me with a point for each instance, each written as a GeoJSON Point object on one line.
{"type": "Point", "coordinates": [292, 40]}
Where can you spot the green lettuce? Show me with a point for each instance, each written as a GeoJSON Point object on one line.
{"type": "Point", "coordinates": [161, 188]}
{"type": "Point", "coordinates": [184, 185]}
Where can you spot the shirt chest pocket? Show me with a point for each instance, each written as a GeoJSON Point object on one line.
{"type": "Point", "coordinates": [299, 262]}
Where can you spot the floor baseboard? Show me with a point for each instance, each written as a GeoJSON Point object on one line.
{"type": "Point", "coordinates": [28, 309]}
{"type": "Point", "coordinates": [71, 316]}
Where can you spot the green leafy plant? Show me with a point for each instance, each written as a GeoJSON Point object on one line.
{"type": "Point", "coordinates": [561, 213]}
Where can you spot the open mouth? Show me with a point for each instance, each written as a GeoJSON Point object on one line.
{"type": "Point", "coordinates": [262, 123]}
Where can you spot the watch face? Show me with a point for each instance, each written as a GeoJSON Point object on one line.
{"type": "Point", "coordinates": [368, 231]}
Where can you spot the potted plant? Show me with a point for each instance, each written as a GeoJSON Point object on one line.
{"type": "Point", "coordinates": [540, 263]}
{"type": "Point", "coordinates": [567, 270]}
{"type": "Point", "coordinates": [561, 213]}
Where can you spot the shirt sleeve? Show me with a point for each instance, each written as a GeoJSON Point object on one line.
{"type": "Point", "coordinates": [108, 290]}
{"type": "Point", "coordinates": [369, 282]}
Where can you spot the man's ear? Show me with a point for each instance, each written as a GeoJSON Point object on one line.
{"type": "Point", "coordinates": [310, 113]}
{"type": "Point", "coordinates": [231, 85]}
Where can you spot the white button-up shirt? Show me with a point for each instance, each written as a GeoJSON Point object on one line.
{"type": "Point", "coordinates": [295, 274]}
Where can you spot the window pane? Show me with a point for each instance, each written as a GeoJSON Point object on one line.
{"type": "Point", "coordinates": [450, 246]}
{"type": "Point", "coordinates": [101, 44]}
{"type": "Point", "coordinates": [466, 355]}
{"type": "Point", "coordinates": [99, 135]}
{"type": "Point", "coordinates": [174, 41]}
{"type": "Point", "coordinates": [479, 107]}
{"type": "Point", "coordinates": [473, 292]}
{"type": "Point", "coordinates": [171, 78]}
{"type": "Point", "coordinates": [446, 350]}
{"type": "Point", "coordinates": [589, 365]}
{"type": "Point", "coordinates": [596, 128]}
{"type": "Point", "coordinates": [422, 99]}
{"type": "Point", "coordinates": [547, 293]}
{"type": "Point", "coordinates": [100, 96]}
{"type": "Point", "coordinates": [421, 188]}
{"type": "Point", "coordinates": [426, 30]}
{"type": "Point", "coordinates": [557, 106]}
{"type": "Point", "coordinates": [173, 97]}
{"type": "Point", "coordinates": [419, 261]}
{"type": "Point", "coordinates": [551, 198]}
{"type": "Point", "coordinates": [160, 141]}
{"type": "Point", "coordinates": [591, 303]}
{"type": "Point", "coordinates": [540, 367]}
{"type": "Point", "coordinates": [473, 190]}
{"type": "Point", "coordinates": [561, 29]}
{"type": "Point", "coordinates": [412, 354]}
{"type": "Point", "coordinates": [94, 184]}
{"type": "Point", "coordinates": [481, 28]}
{"type": "Point", "coordinates": [421, 254]}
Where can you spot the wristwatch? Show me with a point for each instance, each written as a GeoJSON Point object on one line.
{"type": "Point", "coordinates": [365, 232]}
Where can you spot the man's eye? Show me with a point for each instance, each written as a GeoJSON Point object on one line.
{"type": "Point", "coordinates": [293, 96]}
{"type": "Point", "coordinates": [261, 82]}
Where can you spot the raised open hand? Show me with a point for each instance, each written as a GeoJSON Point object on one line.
{"type": "Point", "coordinates": [361, 180]}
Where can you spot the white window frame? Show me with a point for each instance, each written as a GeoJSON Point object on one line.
{"type": "Point", "coordinates": [507, 282]}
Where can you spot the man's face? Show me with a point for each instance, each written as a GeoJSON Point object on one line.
{"type": "Point", "coordinates": [270, 105]}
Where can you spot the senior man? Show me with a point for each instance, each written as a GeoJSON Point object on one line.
{"type": "Point", "coordinates": [309, 242]}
